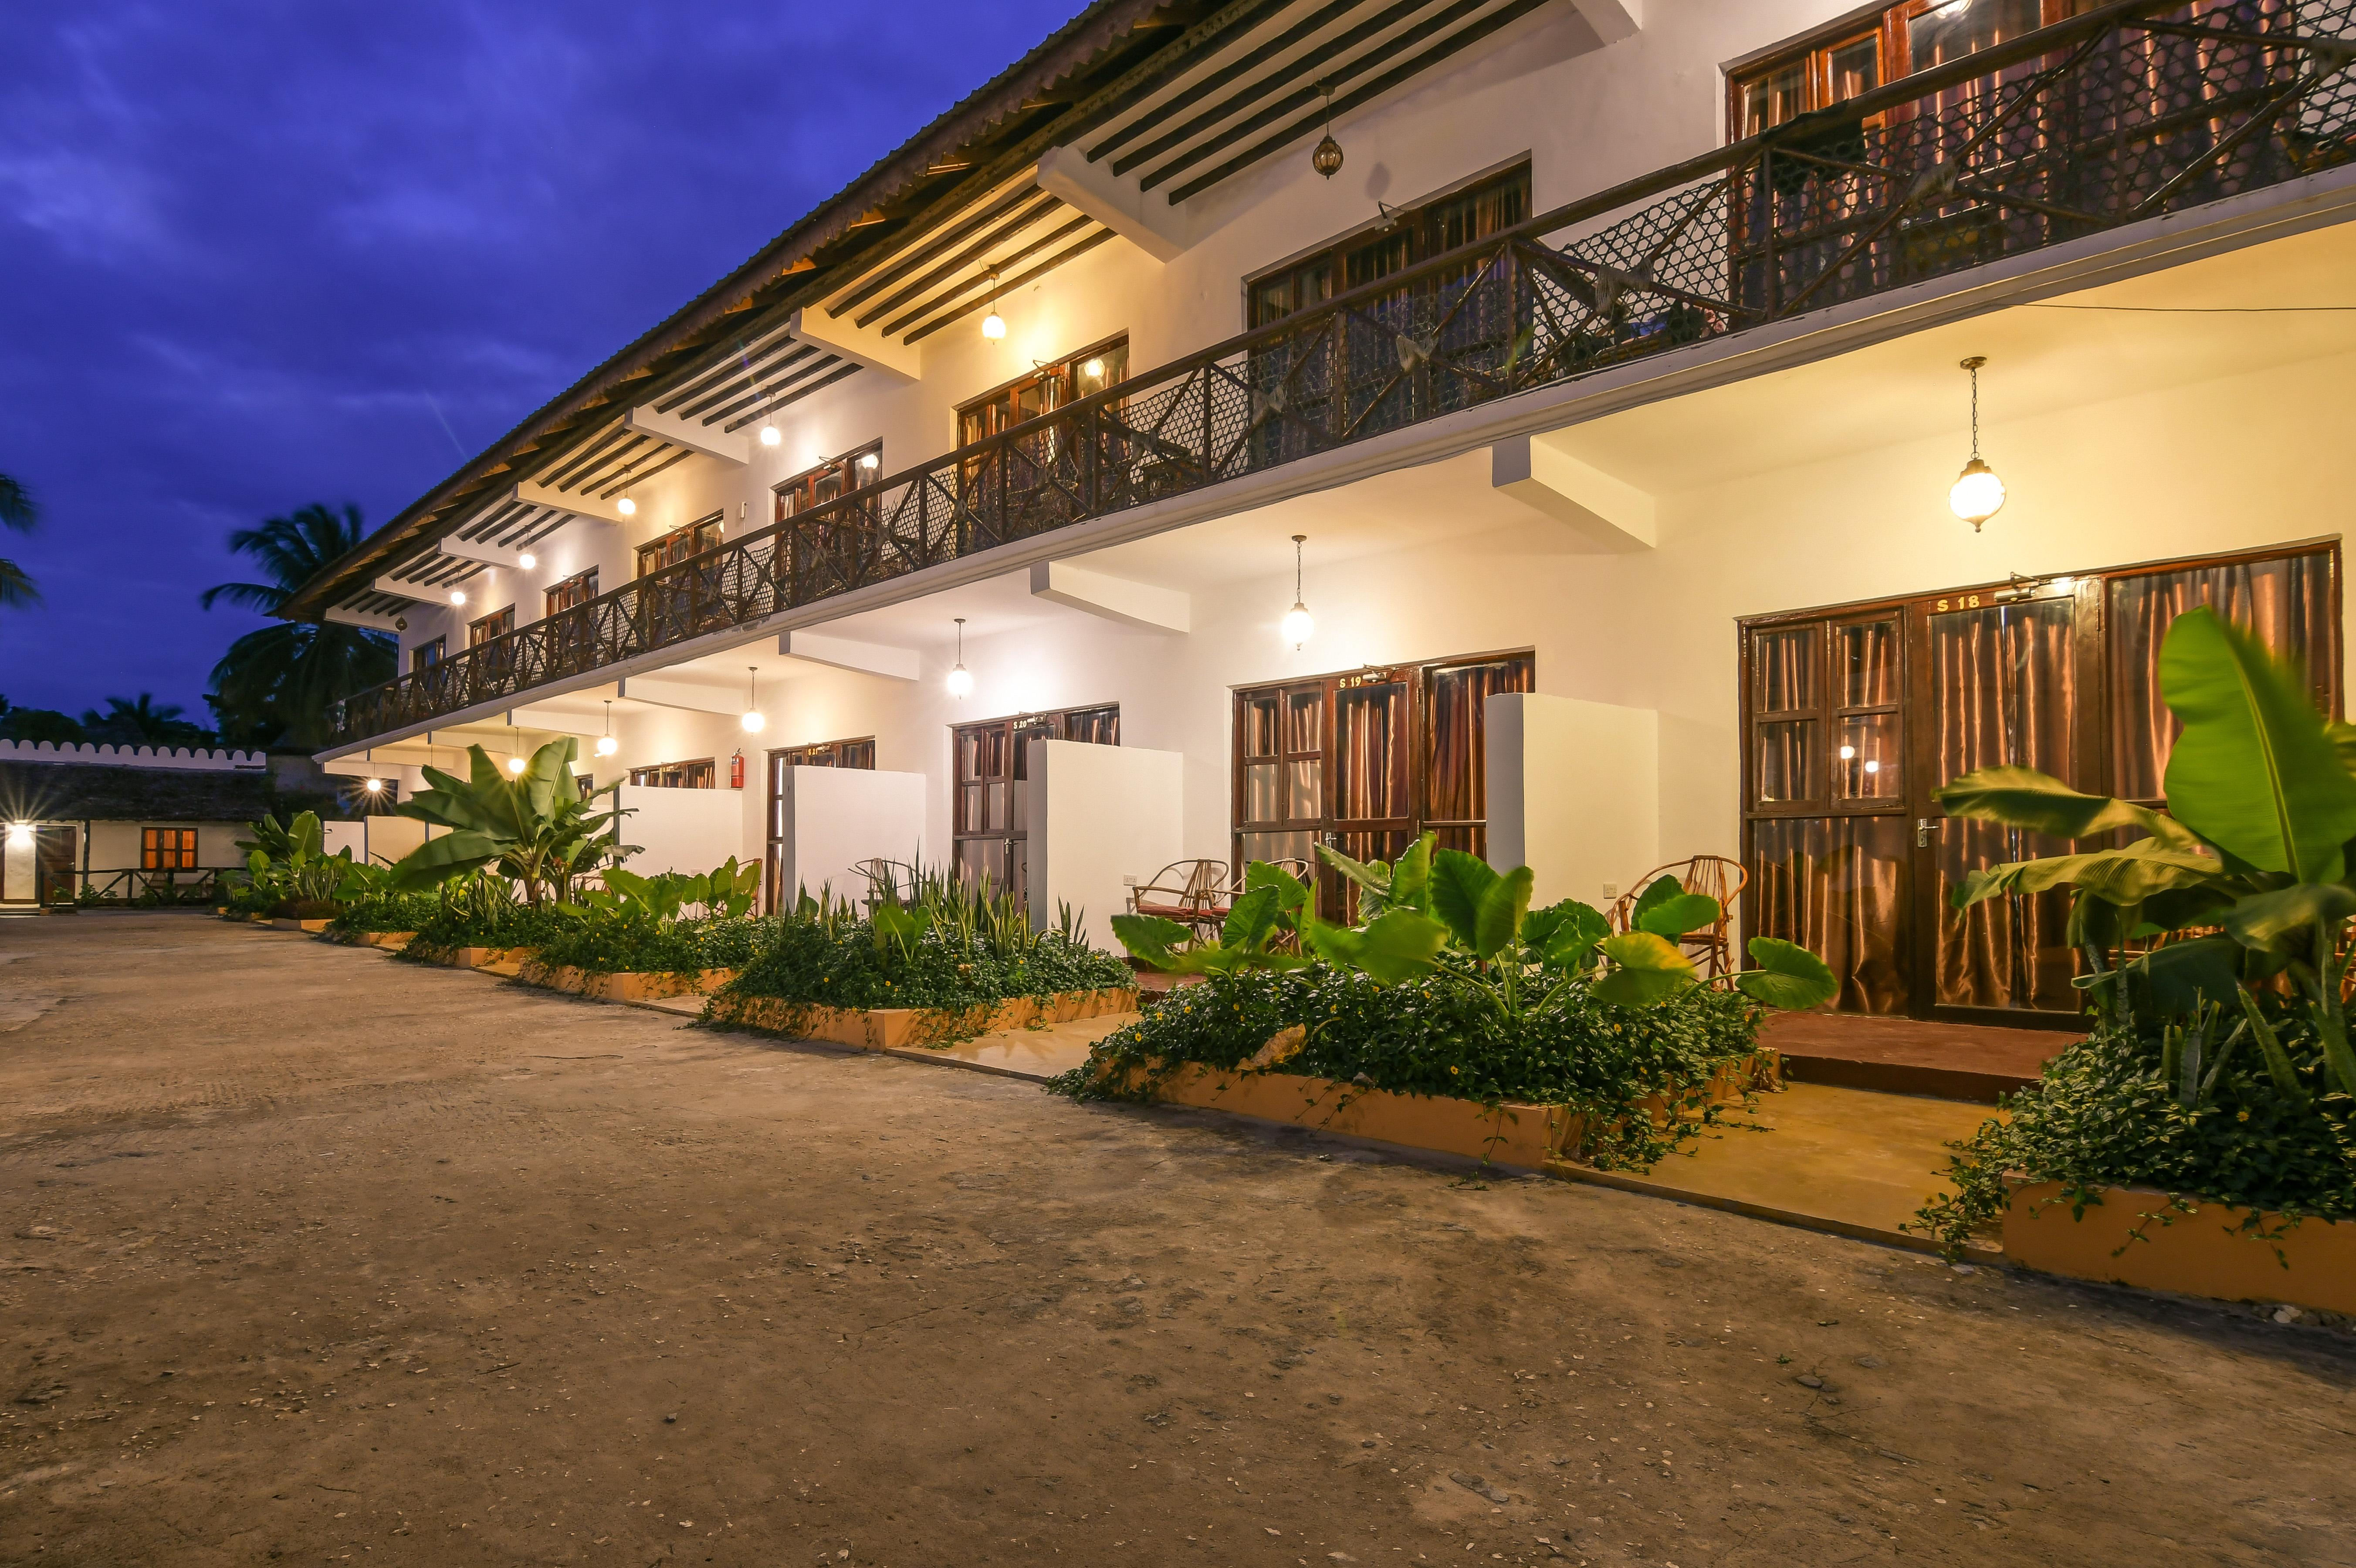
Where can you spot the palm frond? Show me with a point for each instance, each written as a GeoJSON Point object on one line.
{"type": "Point", "coordinates": [18, 511]}
{"type": "Point", "coordinates": [17, 590]}
{"type": "Point", "coordinates": [259, 596]}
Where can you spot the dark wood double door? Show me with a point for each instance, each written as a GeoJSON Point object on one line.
{"type": "Point", "coordinates": [1855, 717]}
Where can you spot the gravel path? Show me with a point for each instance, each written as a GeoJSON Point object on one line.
{"type": "Point", "coordinates": [314, 1256]}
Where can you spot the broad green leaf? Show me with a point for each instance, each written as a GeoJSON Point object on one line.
{"type": "Point", "coordinates": [1646, 969]}
{"type": "Point", "coordinates": [1458, 882]}
{"type": "Point", "coordinates": [1411, 877]}
{"type": "Point", "coordinates": [1151, 937]}
{"type": "Point", "coordinates": [1788, 977]}
{"type": "Point", "coordinates": [1251, 920]}
{"type": "Point", "coordinates": [2023, 797]}
{"type": "Point", "coordinates": [1673, 917]}
{"type": "Point", "coordinates": [1399, 945]}
{"type": "Point", "coordinates": [2284, 921]}
{"type": "Point", "coordinates": [2128, 875]}
{"type": "Point", "coordinates": [1657, 890]}
{"type": "Point", "coordinates": [2343, 741]}
{"type": "Point", "coordinates": [438, 859]}
{"type": "Point", "coordinates": [1374, 879]}
{"type": "Point", "coordinates": [1291, 893]}
{"type": "Point", "coordinates": [2253, 773]}
{"type": "Point", "coordinates": [1565, 933]}
{"type": "Point", "coordinates": [2181, 975]}
{"type": "Point", "coordinates": [1504, 903]}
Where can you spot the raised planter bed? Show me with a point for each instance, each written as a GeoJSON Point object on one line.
{"type": "Point", "coordinates": [287, 923]}
{"type": "Point", "coordinates": [895, 1028]}
{"type": "Point", "coordinates": [621, 987]}
{"type": "Point", "coordinates": [508, 961]}
{"type": "Point", "coordinates": [395, 939]}
{"type": "Point", "coordinates": [2312, 1264]}
{"type": "Point", "coordinates": [1525, 1136]}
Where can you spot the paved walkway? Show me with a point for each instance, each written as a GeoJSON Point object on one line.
{"type": "Point", "coordinates": [313, 1255]}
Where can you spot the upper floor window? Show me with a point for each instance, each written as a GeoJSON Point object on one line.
{"type": "Point", "coordinates": [834, 477]}
{"type": "Point", "coordinates": [679, 544]}
{"type": "Point", "coordinates": [497, 624]}
{"type": "Point", "coordinates": [425, 656]}
{"type": "Point", "coordinates": [1831, 67]}
{"type": "Point", "coordinates": [578, 589]}
{"type": "Point", "coordinates": [1406, 236]}
{"type": "Point", "coordinates": [1044, 389]}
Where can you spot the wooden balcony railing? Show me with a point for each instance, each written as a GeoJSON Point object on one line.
{"type": "Point", "coordinates": [2135, 110]}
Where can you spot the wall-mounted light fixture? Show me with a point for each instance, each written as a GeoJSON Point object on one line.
{"type": "Point", "coordinates": [1978, 494]}
{"type": "Point", "coordinates": [752, 719]}
{"type": "Point", "coordinates": [1298, 626]}
{"type": "Point", "coordinates": [960, 682]}
{"type": "Point", "coordinates": [20, 834]}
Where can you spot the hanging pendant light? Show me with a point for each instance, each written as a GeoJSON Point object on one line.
{"type": "Point", "coordinates": [993, 325]}
{"type": "Point", "coordinates": [769, 436]}
{"type": "Point", "coordinates": [374, 786]}
{"type": "Point", "coordinates": [626, 507]}
{"type": "Point", "coordinates": [527, 561]}
{"type": "Point", "coordinates": [458, 597]}
{"type": "Point", "coordinates": [606, 744]}
{"type": "Point", "coordinates": [1298, 626]}
{"type": "Point", "coordinates": [515, 758]}
{"type": "Point", "coordinates": [1978, 494]}
{"type": "Point", "coordinates": [960, 682]}
{"type": "Point", "coordinates": [1327, 157]}
{"type": "Point", "coordinates": [752, 719]}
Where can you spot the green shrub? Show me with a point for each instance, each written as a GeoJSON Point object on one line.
{"type": "Point", "coordinates": [2105, 1114]}
{"type": "Point", "coordinates": [844, 965]}
{"type": "Point", "coordinates": [490, 924]}
{"type": "Point", "coordinates": [1433, 1036]}
{"type": "Point", "coordinates": [386, 911]}
{"type": "Point", "coordinates": [638, 947]}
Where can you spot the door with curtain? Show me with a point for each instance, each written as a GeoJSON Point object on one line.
{"type": "Point", "coordinates": [1854, 717]}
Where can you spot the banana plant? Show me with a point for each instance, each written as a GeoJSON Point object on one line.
{"type": "Point", "coordinates": [2260, 809]}
{"type": "Point", "coordinates": [661, 900]}
{"type": "Point", "coordinates": [535, 829]}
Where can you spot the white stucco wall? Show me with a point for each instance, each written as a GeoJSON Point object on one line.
{"type": "Point", "coordinates": [837, 817]}
{"type": "Point", "coordinates": [683, 829]}
{"type": "Point", "coordinates": [1102, 817]}
{"type": "Point", "coordinates": [1573, 794]}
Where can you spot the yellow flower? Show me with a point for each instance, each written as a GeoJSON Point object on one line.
{"type": "Point", "coordinates": [2243, 1117]}
{"type": "Point", "coordinates": [1452, 1073]}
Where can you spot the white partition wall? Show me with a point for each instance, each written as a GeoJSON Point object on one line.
{"type": "Point", "coordinates": [1099, 814]}
{"type": "Point", "coordinates": [1574, 794]}
{"type": "Point", "coordinates": [683, 829]}
{"type": "Point", "coordinates": [835, 817]}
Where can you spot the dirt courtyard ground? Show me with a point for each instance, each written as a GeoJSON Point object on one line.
{"type": "Point", "coordinates": [313, 1256]}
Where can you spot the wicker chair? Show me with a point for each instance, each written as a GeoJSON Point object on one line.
{"type": "Point", "coordinates": [888, 882]}
{"type": "Point", "coordinates": [1711, 945]}
{"type": "Point", "coordinates": [1194, 893]}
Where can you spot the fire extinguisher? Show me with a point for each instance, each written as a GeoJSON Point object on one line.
{"type": "Point", "coordinates": [736, 770]}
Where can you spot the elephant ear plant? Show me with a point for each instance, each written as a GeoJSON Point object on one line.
{"type": "Point", "coordinates": [2254, 851]}
{"type": "Point", "coordinates": [1269, 910]}
{"type": "Point", "coordinates": [534, 830]}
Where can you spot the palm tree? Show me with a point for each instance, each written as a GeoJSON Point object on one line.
{"type": "Point", "coordinates": [142, 723]}
{"type": "Point", "coordinates": [289, 676]}
{"type": "Point", "coordinates": [20, 512]}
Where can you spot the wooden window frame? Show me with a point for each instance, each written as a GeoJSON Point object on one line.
{"type": "Point", "coordinates": [691, 532]}
{"type": "Point", "coordinates": [858, 754]}
{"type": "Point", "coordinates": [1064, 372]}
{"type": "Point", "coordinates": [497, 624]}
{"type": "Point", "coordinates": [1417, 674]}
{"type": "Point", "coordinates": [1417, 219]}
{"type": "Point", "coordinates": [573, 591]}
{"type": "Point", "coordinates": [1888, 24]}
{"type": "Point", "coordinates": [800, 494]}
{"type": "Point", "coordinates": [1015, 728]}
{"type": "Point", "coordinates": [426, 654]}
{"type": "Point", "coordinates": [153, 848]}
{"type": "Point", "coordinates": [707, 768]}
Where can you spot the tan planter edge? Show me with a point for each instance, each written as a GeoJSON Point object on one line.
{"type": "Point", "coordinates": [1521, 1137]}
{"type": "Point", "coordinates": [2205, 1253]}
{"type": "Point", "coordinates": [642, 986]}
{"type": "Point", "coordinates": [898, 1028]}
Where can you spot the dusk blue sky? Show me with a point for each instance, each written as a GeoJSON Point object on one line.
{"type": "Point", "coordinates": [257, 255]}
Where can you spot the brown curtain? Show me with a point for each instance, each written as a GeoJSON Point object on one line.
{"type": "Point", "coordinates": [1454, 768]}
{"type": "Point", "coordinates": [1833, 885]}
{"type": "Point", "coordinates": [1096, 726]}
{"type": "Point", "coordinates": [2007, 685]}
{"type": "Point", "coordinates": [1370, 725]}
{"type": "Point", "coordinates": [2286, 602]}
